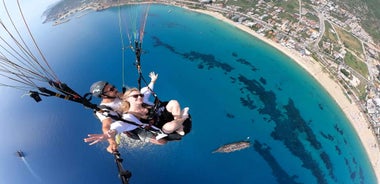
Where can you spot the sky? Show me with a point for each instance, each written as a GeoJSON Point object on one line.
{"type": "Point", "coordinates": [16, 130]}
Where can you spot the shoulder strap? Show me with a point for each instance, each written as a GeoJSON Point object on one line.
{"type": "Point", "coordinates": [106, 111]}
{"type": "Point", "coordinates": [105, 108]}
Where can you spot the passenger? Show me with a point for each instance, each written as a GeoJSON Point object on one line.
{"type": "Point", "coordinates": [134, 109]}
{"type": "Point", "coordinates": [111, 102]}
{"type": "Point", "coordinates": [169, 117]}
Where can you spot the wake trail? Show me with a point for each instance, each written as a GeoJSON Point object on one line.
{"type": "Point", "coordinates": [31, 170]}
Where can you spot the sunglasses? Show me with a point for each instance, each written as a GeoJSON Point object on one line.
{"type": "Point", "coordinates": [112, 88]}
{"type": "Point", "coordinates": [137, 95]}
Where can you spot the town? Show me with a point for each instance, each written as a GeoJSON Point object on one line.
{"type": "Point", "coordinates": [319, 29]}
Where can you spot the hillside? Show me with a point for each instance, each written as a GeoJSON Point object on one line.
{"type": "Point", "coordinates": [369, 13]}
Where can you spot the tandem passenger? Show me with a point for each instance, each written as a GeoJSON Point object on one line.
{"type": "Point", "coordinates": [135, 107]}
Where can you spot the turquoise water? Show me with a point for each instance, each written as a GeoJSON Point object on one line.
{"type": "Point", "coordinates": [236, 86]}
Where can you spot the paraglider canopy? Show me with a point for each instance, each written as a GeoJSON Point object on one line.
{"type": "Point", "coordinates": [20, 154]}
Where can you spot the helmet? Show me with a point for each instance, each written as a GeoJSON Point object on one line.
{"type": "Point", "coordinates": [97, 88]}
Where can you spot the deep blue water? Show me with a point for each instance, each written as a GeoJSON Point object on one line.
{"type": "Point", "coordinates": [235, 85]}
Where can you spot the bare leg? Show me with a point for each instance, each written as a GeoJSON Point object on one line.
{"type": "Point", "coordinates": [176, 124]}
{"type": "Point", "coordinates": [174, 108]}
{"type": "Point", "coordinates": [172, 126]}
{"type": "Point", "coordinates": [184, 116]}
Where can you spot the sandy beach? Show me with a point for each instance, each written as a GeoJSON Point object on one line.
{"type": "Point", "coordinates": [352, 111]}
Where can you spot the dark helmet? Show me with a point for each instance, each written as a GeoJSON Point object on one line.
{"type": "Point", "coordinates": [97, 88]}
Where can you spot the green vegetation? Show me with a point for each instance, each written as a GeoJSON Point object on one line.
{"type": "Point", "coordinates": [372, 24]}
{"type": "Point", "coordinates": [346, 73]}
{"type": "Point", "coordinates": [324, 49]}
{"type": "Point", "coordinates": [287, 16]}
{"type": "Point", "coordinates": [306, 2]}
{"type": "Point", "coordinates": [369, 13]}
{"type": "Point", "coordinates": [352, 61]}
{"type": "Point", "coordinates": [374, 7]}
{"type": "Point", "coordinates": [350, 42]}
{"type": "Point", "coordinates": [312, 17]}
{"type": "Point", "coordinates": [330, 34]}
{"type": "Point", "coordinates": [362, 90]}
{"type": "Point", "coordinates": [265, 19]}
{"type": "Point", "coordinates": [244, 4]}
{"type": "Point", "coordinates": [303, 35]}
{"type": "Point", "coordinates": [307, 5]}
{"type": "Point", "coordinates": [339, 17]}
{"type": "Point", "coordinates": [373, 29]}
{"type": "Point", "coordinates": [269, 34]}
{"type": "Point", "coordinates": [291, 6]}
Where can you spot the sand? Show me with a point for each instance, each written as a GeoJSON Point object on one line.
{"type": "Point", "coordinates": [351, 110]}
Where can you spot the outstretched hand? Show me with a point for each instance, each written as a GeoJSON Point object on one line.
{"type": "Point", "coordinates": [95, 138]}
{"type": "Point", "coordinates": [153, 76]}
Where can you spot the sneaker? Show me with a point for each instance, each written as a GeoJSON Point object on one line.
{"type": "Point", "coordinates": [160, 136]}
{"type": "Point", "coordinates": [185, 112]}
{"type": "Point", "coordinates": [180, 131]}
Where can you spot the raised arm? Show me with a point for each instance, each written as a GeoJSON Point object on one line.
{"type": "Point", "coordinates": [147, 91]}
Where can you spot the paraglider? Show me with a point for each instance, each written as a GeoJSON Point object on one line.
{"type": "Point", "coordinates": [24, 67]}
{"type": "Point", "coordinates": [30, 71]}
{"type": "Point", "coordinates": [20, 154]}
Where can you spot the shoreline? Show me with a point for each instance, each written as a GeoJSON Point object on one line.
{"type": "Point", "coordinates": [350, 109]}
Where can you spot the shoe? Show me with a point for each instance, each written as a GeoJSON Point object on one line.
{"type": "Point", "coordinates": [185, 112]}
{"type": "Point", "coordinates": [180, 131]}
{"type": "Point", "coordinates": [160, 136]}
{"type": "Point", "coordinates": [173, 136]}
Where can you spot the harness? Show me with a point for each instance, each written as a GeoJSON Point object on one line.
{"type": "Point", "coordinates": [111, 113]}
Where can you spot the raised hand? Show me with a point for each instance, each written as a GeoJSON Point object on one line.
{"type": "Point", "coordinates": [153, 77]}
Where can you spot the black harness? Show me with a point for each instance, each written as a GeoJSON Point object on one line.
{"type": "Point", "coordinates": [111, 113]}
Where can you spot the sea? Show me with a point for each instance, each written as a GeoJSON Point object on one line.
{"type": "Point", "coordinates": [237, 87]}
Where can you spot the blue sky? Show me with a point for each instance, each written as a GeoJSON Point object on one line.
{"type": "Point", "coordinates": [20, 130]}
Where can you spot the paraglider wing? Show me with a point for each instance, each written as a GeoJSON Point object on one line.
{"type": "Point", "coordinates": [20, 154]}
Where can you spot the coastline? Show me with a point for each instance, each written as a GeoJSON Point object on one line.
{"type": "Point", "coordinates": [350, 109]}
